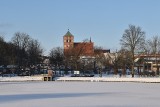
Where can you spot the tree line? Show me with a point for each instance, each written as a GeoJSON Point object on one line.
{"type": "Point", "coordinates": [25, 51]}
{"type": "Point", "coordinates": [133, 43]}
{"type": "Point", "coordinates": [22, 50]}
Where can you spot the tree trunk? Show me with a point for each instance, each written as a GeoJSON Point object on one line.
{"type": "Point", "coordinates": [124, 70]}
{"type": "Point", "coordinates": [132, 64]}
{"type": "Point", "coordinates": [115, 71]}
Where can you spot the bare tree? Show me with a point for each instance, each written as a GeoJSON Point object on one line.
{"type": "Point", "coordinates": [154, 44]}
{"type": "Point", "coordinates": [21, 41]}
{"type": "Point", "coordinates": [34, 51]}
{"type": "Point", "coordinates": [115, 61]}
{"type": "Point", "coordinates": [12, 54]}
{"type": "Point", "coordinates": [2, 51]}
{"type": "Point", "coordinates": [154, 47]}
{"type": "Point", "coordinates": [124, 60]}
{"type": "Point", "coordinates": [7, 52]}
{"type": "Point", "coordinates": [56, 56]}
{"type": "Point", "coordinates": [2, 38]}
{"type": "Point", "coordinates": [133, 39]}
{"type": "Point", "coordinates": [28, 50]}
{"type": "Point", "coordinates": [101, 59]}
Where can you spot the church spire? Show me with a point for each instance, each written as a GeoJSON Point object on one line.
{"type": "Point", "coordinates": [68, 33]}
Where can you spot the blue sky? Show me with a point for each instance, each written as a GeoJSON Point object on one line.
{"type": "Point", "coordinates": [102, 20]}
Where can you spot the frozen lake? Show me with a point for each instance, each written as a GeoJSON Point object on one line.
{"type": "Point", "coordinates": [79, 94]}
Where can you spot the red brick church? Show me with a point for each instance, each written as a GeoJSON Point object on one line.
{"type": "Point", "coordinates": [85, 48]}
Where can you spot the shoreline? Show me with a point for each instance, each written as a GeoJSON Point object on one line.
{"type": "Point", "coordinates": [111, 79]}
{"type": "Point", "coordinates": [83, 79]}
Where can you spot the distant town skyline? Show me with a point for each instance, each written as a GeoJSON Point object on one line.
{"type": "Point", "coordinates": [102, 20]}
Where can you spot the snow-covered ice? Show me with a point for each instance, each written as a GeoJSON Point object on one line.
{"type": "Point", "coordinates": [21, 78]}
{"type": "Point", "coordinates": [79, 94]}
{"type": "Point", "coordinates": [112, 78]}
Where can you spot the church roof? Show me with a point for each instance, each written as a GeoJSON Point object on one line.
{"type": "Point", "coordinates": [68, 34]}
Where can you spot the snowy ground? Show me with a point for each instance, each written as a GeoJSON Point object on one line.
{"type": "Point", "coordinates": [111, 79]}
{"type": "Point", "coordinates": [79, 94]}
{"type": "Point", "coordinates": [19, 78]}
{"type": "Point", "coordinates": [96, 78]}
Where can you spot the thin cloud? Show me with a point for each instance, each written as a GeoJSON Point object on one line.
{"type": "Point", "coordinates": [5, 25]}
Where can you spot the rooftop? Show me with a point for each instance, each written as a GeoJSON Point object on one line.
{"type": "Point", "coordinates": [68, 33]}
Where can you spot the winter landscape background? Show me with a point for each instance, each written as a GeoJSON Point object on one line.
{"type": "Point", "coordinates": [79, 94]}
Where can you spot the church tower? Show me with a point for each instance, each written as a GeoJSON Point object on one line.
{"type": "Point", "coordinates": [68, 41]}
